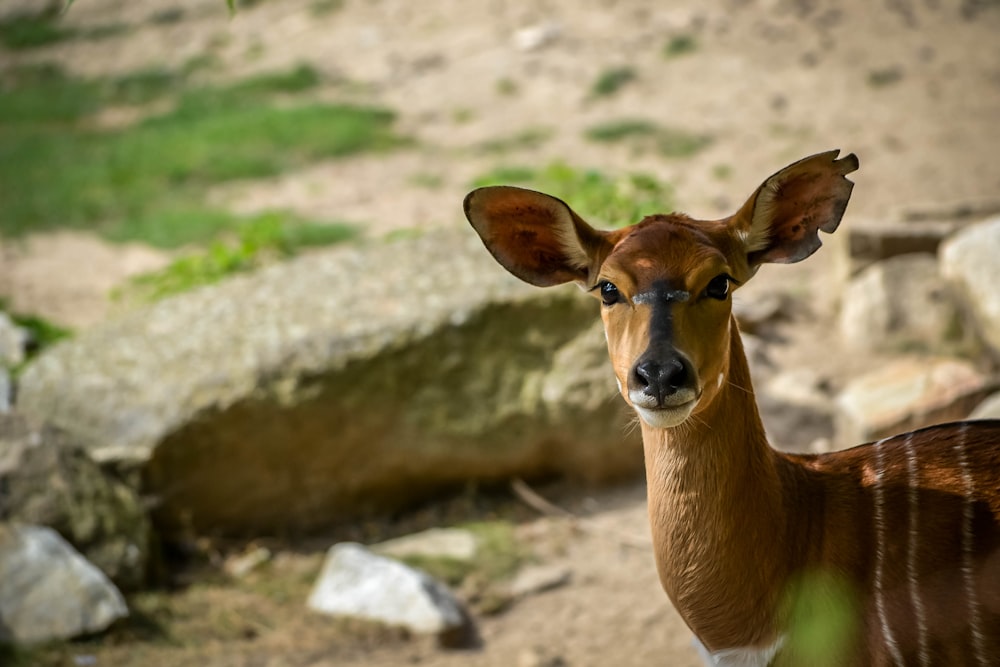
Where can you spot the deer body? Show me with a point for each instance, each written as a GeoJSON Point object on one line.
{"type": "Point", "coordinates": [891, 548]}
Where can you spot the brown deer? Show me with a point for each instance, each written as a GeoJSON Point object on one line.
{"type": "Point", "coordinates": [892, 548]}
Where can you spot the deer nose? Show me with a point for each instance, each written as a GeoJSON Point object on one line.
{"type": "Point", "coordinates": [660, 379]}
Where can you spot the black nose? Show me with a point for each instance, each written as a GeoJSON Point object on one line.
{"type": "Point", "coordinates": [660, 379]}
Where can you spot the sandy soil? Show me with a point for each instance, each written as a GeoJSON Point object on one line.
{"type": "Point", "coordinates": [911, 86]}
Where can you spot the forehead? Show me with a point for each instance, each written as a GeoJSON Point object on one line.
{"type": "Point", "coordinates": [668, 249]}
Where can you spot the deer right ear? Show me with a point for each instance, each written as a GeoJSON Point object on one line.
{"type": "Point", "coordinates": [536, 237]}
{"type": "Point", "coordinates": [782, 220]}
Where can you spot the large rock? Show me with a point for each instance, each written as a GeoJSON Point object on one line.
{"type": "Point", "coordinates": [970, 262]}
{"type": "Point", "coordinates": [906, 394]}
{"type": "Point", "coordinates": [48, 590]}
{"type": "Point", "coordinates": [47, 480]}
{"type": "Point", "coordinates": [341, 383]}
{"type": "Point", "coordinates": [356, 583]}
{"type": "Point", "coordinates": [900, 303]}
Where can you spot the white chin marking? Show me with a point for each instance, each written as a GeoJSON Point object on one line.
{"type": "Point", "coordinates": [667, 417]}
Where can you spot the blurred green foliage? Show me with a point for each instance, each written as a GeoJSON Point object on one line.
{"type": "Point", "coordinates": [610, 81]}
{"type": "Point", "coordinates": [679, 45]}
{"type": "Point", "coordinates": [669, 142]}
{"type": "Point", "coordinates": [823, 620]}
{"type": "Point", "coordinates": [140, 181]}
{"type": "Point", "coordinates": [31, 30]}
{"type": "Point", "coordinates": [254, 242]}
{"type": "Point", "coordinates": [598, 197]}
{"type": "Point", "coordinates": [42, 333]}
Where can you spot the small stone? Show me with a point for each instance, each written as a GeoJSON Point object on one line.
{"type": "Point", "coordinates": [6, 391]}
{"type": "Point", "coordinates": [454, 543]}
{"type": "Point", "coordinates": [243, 564]}
{"type": "Point", "coordinates": [534, 579]}
{"type": "Point", "coordinates": [357, 583]}
{"type": "Point", "coordinates": [13, 342]}
{"type": "Point", "coordinates": [48, 590]}
{"type": "Point", "coordinates": [906, 394]}
{"type": "Point", "coordinates": [988, 409]}
{"type": "Point", "coordinates": [535, 37]}
{"type": "Point", "coordinates": [900, 303]}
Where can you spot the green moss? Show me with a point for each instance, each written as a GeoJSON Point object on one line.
{"type": "Point", "coordinates": [258, 239]}
{"type": "Point", "coordinates": [612, 80]}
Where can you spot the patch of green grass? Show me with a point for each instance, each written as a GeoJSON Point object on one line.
{"type": "Point", "coordinates": [168, 16]}
{"type": "Point", "coordinates": [679, 45]}
{"type": "Point", "coordinates": [426, 180]}
{"type": "Point", "coordinates": [507, 87]}
{"type": "Point", "coordinates": [527, 138]}
{"type": "Point", "coordinates": [722, 172]}
{"type": "Point", "coordinates": [669, 142]}
{"type": "Point", "coordinates": [257, 240]}
{"type": "Point", "coordinates": [887, 76]}
{"type": "Point", "coordinates": [601, 198]}
{"type": "Point", "coordinates": [612, 80]}
{"type": "Point", "coordinates": [325, 7]}
{"type": "Point", "coordinates": [57, 172]}
{"type": "Point", "coordinates": [620, 130]}
{"type": "Point", "coordinates": [41, 94]}
{"type": "Point", "coordinates": [143, 86]}
{"type": "Point", "coordinates": [42, 333]}
{"type": "Point", "coordinates": [33, 30]}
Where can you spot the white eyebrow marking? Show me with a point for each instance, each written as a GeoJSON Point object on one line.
{"type": "Point", "coordinates": [666, 296]}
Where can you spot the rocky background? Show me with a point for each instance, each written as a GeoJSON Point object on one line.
{"type": "Point", "coordinates": [214, 478]}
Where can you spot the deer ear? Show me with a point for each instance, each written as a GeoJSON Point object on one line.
{"type": "Point", "coordinates": [536, 237]}
{"type": "Point", "coordinates": [781, 221]}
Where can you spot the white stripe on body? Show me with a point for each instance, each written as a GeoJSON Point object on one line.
{"type": "Point", "coordinates": [883, 619]}
{"type": "Point", "coordinates": [912, 553]}
{"type": "Point", "coordinates": [968, 572]}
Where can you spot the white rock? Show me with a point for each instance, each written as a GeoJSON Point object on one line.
{"type": "Point", "coordinates": [538, 579]}
{"type": "Point", "coordinates": [970, 262]}
{"type": "Point", "coordinates": [453, 543]}
{"type": "Point", "coordinates": [900, 302]}
{"type": "Point", "coordinates": [988, 409]}
{"type": "Point", "coordinates": [13, 341]}
{"type": "Point", "coordinates": [357, 583]}
{"type": "Point", "coordinates": [48, 590]}
{"type": "Point", "coordinates": [906, 394]}
{"type": "Point", "coordinates": [536, 36]}
{"type": "Point", "coordinates": [6, 391]}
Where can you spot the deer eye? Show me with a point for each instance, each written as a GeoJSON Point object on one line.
{"type": "Point", "coordinates": [718, 287]}
{"type": "Point", "coordinates": [609, 293]}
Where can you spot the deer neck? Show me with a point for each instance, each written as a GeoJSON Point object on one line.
{"type": "Point", "coordinates": [718, 518]}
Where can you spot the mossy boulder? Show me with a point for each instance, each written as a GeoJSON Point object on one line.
{"type": "Point", "coordinates": [348, 382]}
{"type": "Point", "coordinates": [46, 479]}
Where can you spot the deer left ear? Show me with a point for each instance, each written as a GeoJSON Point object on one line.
{"type": "Point", "coordinates": [781, 221]}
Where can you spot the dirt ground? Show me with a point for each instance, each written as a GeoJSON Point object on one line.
{"type": "Point", "coordinates": [911, 86]}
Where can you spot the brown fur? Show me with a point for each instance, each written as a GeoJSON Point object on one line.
{"type": "Point", "coordinates": [735, 523]}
